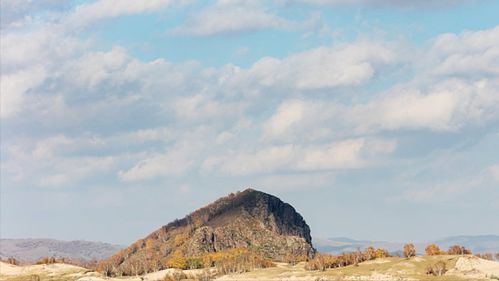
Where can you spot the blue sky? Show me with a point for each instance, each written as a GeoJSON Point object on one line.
{"type": "Point", "coordinates": [376, 119]}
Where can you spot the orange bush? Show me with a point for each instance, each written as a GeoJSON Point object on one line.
{"type": "Point", "coordinates": [409, 250]}
{"type": "Point", "coordinates": [432, 250]}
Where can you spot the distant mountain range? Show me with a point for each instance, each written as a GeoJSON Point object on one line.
{"type": "Point", "coordinates": [477, 244]}
{"type": "Point", "coordinates": [34, 249]}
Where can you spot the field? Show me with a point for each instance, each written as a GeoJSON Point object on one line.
{"type": "Point", "coordinates": [458, 268]}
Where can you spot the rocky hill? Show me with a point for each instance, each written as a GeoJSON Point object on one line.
{"type": "Point", "coordinates": [30, 250]}
{"type": "Point", "coordinates": [249, 219]}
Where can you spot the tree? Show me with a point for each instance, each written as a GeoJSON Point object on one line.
{"type": "Point", "coordinates": [409, 250]}
{"type": "Point", "coordinates": [177, 261]}
{"type": "Point", "coordinates": [458, 250]}
{"type": "Point", "coordinates": [382, 253]}
{"type": "Point", "coordinates": [370, 253]}
{"type": "Point", "coordinates": [432, 250]}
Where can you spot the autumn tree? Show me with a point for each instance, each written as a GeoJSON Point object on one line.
{"type": "Point", "coordinates": [382, 253]}
{"type": "Point", "coordinates": [370, 253]}
{"type": "Point", "coordinates": [432, 250]}
{"type": "Point", "coordinates": [458, 250]}
{"type": "Point", "coordinates": [409, 250]}
{"type": "Point", "coordinates": [177, 260]}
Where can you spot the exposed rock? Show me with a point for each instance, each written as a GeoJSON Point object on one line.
{"type": "Point", "coordinates": [248, 219]}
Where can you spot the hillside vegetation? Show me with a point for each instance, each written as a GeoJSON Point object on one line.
{"type": "Point", "coordinates": [263, 225]}
{"type": "Point", "coordinates": [458, 268]}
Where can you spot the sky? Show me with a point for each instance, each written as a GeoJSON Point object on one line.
{"type": "Point", "coordinates": [375, 119]}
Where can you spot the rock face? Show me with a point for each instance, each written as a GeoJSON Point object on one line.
{"type": "Point", "coordinates": [248, 219]}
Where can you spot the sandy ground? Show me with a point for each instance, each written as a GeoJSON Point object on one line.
{"type": "Point", "coordinates": [9, 269]}
{"type": "Point", "coordinates": [475, 268]}
{"type": "Point", "coordinates": [389, 269]}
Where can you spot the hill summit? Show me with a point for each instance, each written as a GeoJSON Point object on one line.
{"type": "Point", "coordinates": [250, 220]}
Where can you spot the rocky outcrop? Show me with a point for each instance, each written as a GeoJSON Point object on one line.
{"type": "Point", "coordinates": [249, 219]}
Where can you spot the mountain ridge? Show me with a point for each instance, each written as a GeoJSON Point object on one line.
{"type": "Point", "coordinates": [33, 249]}
{"type": "Point", "coordinates": [476, 243]}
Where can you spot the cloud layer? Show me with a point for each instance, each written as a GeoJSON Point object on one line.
{"type": "Point", "coordinates": [378, 116]}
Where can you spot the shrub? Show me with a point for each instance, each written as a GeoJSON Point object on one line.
{"type": "Point", "coordinates": [177, 261]}
{"type": "Point", "coordinates": [236, 260]}
{"type": "Point", "coordinates": [458, 250]}
{"type": "Point", "coordinates": [46, 260]}
{"type": "Point", "coordinates": [382, 253]}
{"type": "Point", "coordinates": [13, 261]}
{"type": "Point", "coordinates": [194, 263]}
{"type": "Point", "coordinates": [432, 250]}
{"type": "Point", "coordinates": [409, 250]}
{"type": "Point", "coordinates": [325, 261]}
{"type": "Point", "coordinates": [437, 269]}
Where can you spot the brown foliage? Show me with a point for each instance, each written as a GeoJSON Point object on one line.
{"type": "Point", "coordinates": [458, 250]}
{"type": "Point", "coordinates": [437, 269]}
{"type": "Point", "coordinates": [409, 250]}
{"type": "Point", "coordinates": [12, 261]}
{"type": "Point", "coordinates": [48, 260]}
{"type": "Point", "coordinates": [432, 250]}
{"type": "Point", "coordinates": [236, 261]}
{"type": "Point", "coordinates": [325, 261]}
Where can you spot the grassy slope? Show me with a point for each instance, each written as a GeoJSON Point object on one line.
{"type": "Point", "coordinates": [384, 269]}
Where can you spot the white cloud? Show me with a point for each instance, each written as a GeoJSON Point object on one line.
{"type": "Point", "coordinates": [230, 19]}
{"type": "Point", "coordinates": [494, 171]}
{"type": "Point", "coordinates": [14, 12]}
{"type": "Point", "coordinates": [47, 148]}
{"type": "Point", "coordinates": [469, 54]}
{"type": "Point", "coordinates": [93, 68]}
{"type": "Point", "coordinates": [203, 107]}
{"type": "Point", "coordinates": [86, 14]}
{"type": "Point", "coordinates": [340, 155]}
{"type": "Point", "coordinates": [416, 110]}
{"type": "Point", "coordinates": [323, 68]}
{"type": "Point", "coordinates": [226, 17]}
{"type": "Point", "coordinates": [14, 88]}
{"type": "Point", "coordinates": [159, 165]}
{"type": "Point", "coordinates": [177, 161]}
{"type": "Point", "coordinates": [346, 154]}
{"type": "Point", "coordinates": [288, 114]}
{"type": "Point", "coordinates": [300, 181]}
{"type": "Point", "coordinates": [42, 46]}
{"type": "Point", "coordinates": [393, 3]}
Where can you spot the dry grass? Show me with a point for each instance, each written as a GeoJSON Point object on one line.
{"type": "Point", "coordinates": [385, 269]}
